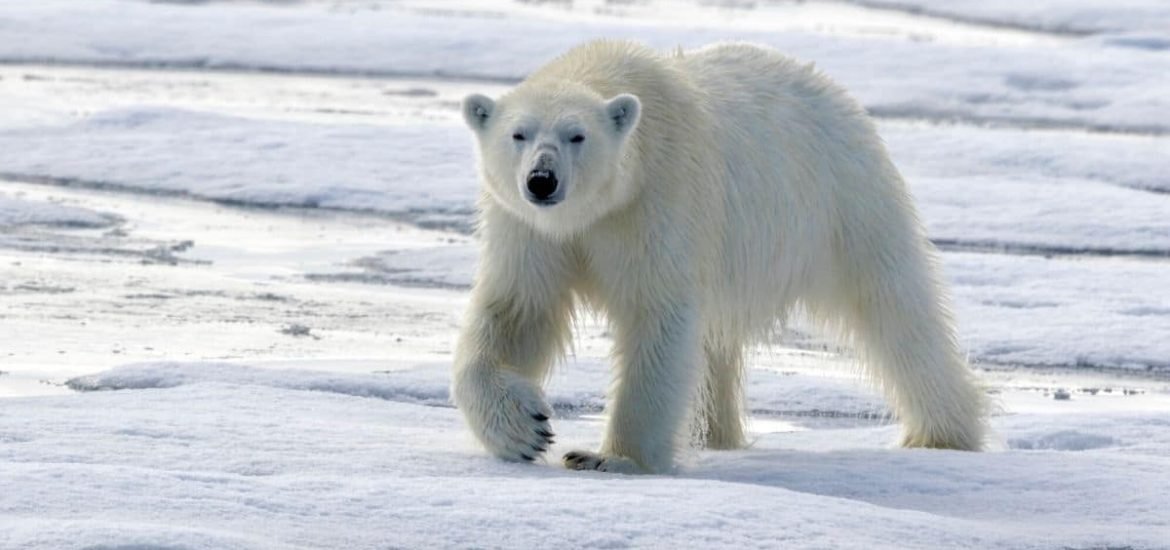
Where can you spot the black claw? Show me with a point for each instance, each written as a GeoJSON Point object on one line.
{"type": "Point", "coordinates": [538, 449]}
{"type": "Point", "coordinates": [540, 417]}
{"type": "Point", "coordinates": [574, 456]}
{"type": "Point", "coordinates": [526, 457]}
{"type": "Point", "coordinates": [544, 433]}
{"type": "Point", "coordinates": [550, 441]}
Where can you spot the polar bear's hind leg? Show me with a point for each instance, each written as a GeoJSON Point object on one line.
{"type": "Point", "coordinates": [890, 302]}
{"type": "Point", "coordinates": [722, 423]}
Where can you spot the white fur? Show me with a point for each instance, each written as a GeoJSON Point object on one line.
{"type": "Point", "coordinates": [729, 185]}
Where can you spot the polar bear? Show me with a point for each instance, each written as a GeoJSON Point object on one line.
{"type": "Point", "coordinates": [695, 198]}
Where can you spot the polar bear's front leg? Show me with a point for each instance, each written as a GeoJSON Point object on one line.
{"type": "Point", "coordinates": [658, 352]}
{"type": "Point", "coordinates": [502, 358]}
{"type": "Point", "coordinates": [516, 325]}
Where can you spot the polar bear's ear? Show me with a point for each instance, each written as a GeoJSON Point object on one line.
{"type": "Point", "coordinates": [623, 112]}
{"type": "Point", "coordinates": [477, 108]}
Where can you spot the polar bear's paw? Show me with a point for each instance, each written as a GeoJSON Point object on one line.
{"type": "Point", "coordinates": [970, 439]}
{"type": "Point", "coordinates": [509, 416]}
{"type": "Point", "coordinates": [585, 460]}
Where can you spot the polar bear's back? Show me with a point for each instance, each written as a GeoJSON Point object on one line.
{"type": "Point", "coordinates": [801, 157]}
{"type": "Point", "coordinates": [781, 123]}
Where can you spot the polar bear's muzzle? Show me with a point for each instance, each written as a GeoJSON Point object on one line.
{"type": "Point", "coordinates": [542, 188]}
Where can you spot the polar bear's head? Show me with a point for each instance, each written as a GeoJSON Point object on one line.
{"type": "Point", "coordinates": [554, 157]}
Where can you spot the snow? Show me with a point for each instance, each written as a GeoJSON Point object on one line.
{"type": "Point", "coordinates": [1013, 310]}
{"type": "Point", "coordinates": [16, 211]}
{"type": "Point", "coordinates": [359, 461]}
{"type": "Point", "coordinates": [1039, 192]}
{"type": "Point", "coordinates": [1073, 83]}
{"type": "Point", "coordinates": [1059, 16]}
{"type": "Point", "coordinates": [398, 170]}
{"type": "Point", "coordinates": [974, 185]}
{"type": "Point", "coordinates": [1035, 311]}
{"type": "Point", "coordinates": [235, 247]}
{"type": "Point", "coordinates": [448, 266]}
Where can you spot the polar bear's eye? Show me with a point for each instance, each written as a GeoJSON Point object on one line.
{"type": "Point", "coordinates": [577, 139]}
{"type": "Point", "coordinates": [518, 136]}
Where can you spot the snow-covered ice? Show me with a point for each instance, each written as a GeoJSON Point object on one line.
{"type": "Point", "coordinates": [398, 170]}
{"type": "Point", "coordinates": [15, 211]}
{"type": "Point", "coordinates": [1059, 16]}
{"type": "Point", "coordinates": [1035, 188]}
{"type": "Point", "coordinates": [1070, 83]}
{"type": "Point", "coordinates": [235, 247]}
{"type": "Point", "coordinates": [365, 461]}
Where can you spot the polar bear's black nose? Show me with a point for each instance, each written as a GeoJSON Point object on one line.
{"type": "Point", "coordinates": [542, 184]}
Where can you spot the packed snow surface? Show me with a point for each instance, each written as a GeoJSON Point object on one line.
{"type": "Point", "coordinates": [15, 211]}
{"type": "Point", "coordinates": [228, 456]}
